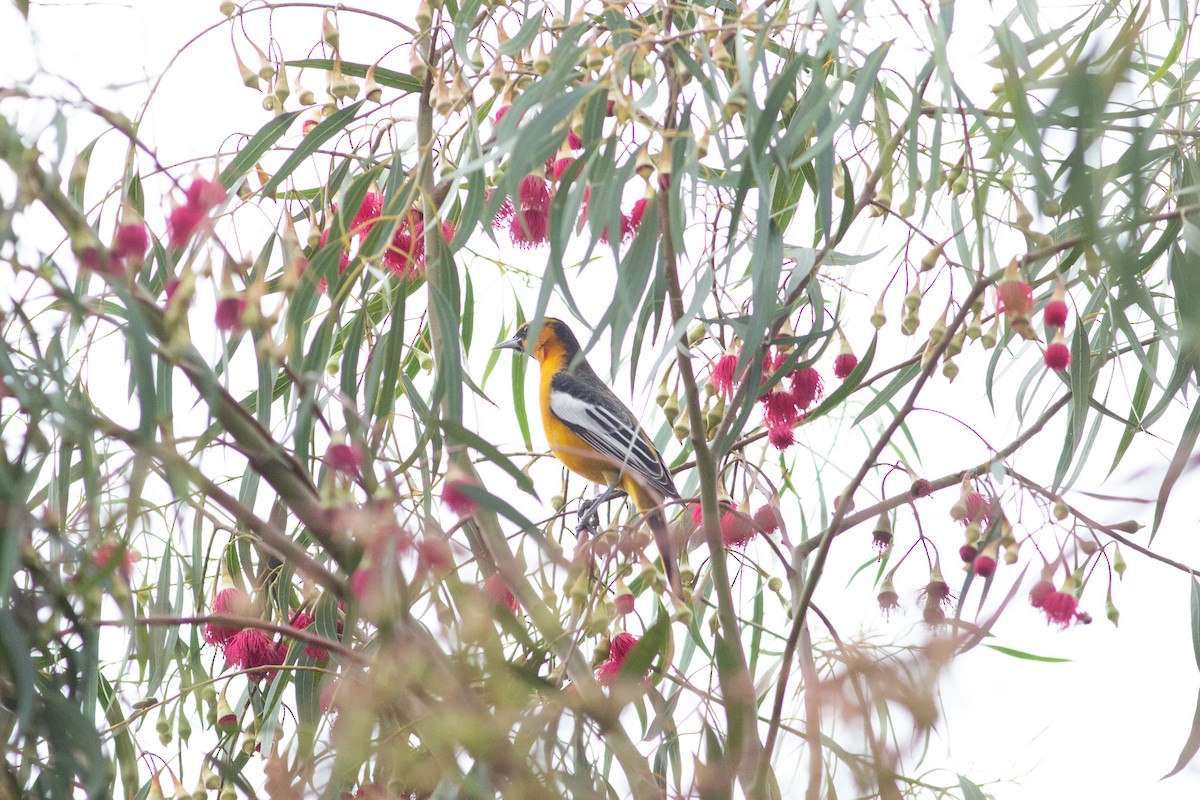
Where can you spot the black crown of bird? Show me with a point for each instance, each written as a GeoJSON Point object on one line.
{"type": "Point", "coordinates": [595, 435]}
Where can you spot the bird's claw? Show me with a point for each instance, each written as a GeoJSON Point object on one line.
{"type": "Point", "coordinates": [589, 519]}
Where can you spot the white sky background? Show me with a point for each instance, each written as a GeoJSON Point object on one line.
{"type": "Point", "coordinates": [1105, 725]}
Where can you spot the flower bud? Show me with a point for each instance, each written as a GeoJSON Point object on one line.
{"type": "Point", "coordinates": [498, 77]}
{"type": "Point", "coordinates": [424, 16]}
{"type": "Point", "coordinates": [249, 76]}
{"type": "Point", "coordinates": [374, 92]}
{"type": "Point", "coordinates": [329, 31]}
{"type": "Point", "coordinates": [988, 339]}
{"type": "Point", "coordinates": [912, 300]}
{"type": "Point", "coordinates": [1061, 511]}
{"type": "Point", "coordinates": [644, 166]}
{"type": "Point", "coordinates": [878, 317]}
{"type": "Point", "coordinates": [541, 63]}
{"type": "Point", "coordinates": [227, 8]}
{"type": "Point", "coordinates": [671, 409]}
{"type": "Point", "coordinates": [416, 64]}
{"type": "Point", "coordinates": [1118, 563]}
{"type": "Point", "coordinates": [931, 258]}
{"type": "Point", "coordinates": [910, 323]}
{"type": "Point", "coordinates": [1110, 611]}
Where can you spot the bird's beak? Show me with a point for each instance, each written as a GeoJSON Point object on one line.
{"type": "Point", "coordinates": [510, 344]}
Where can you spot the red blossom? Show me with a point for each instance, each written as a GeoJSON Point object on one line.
{"type": "Point", "coordinates": [406, 253]}
{"type": "Point", "coordinates": [621, 646]}
{"type": "Point", "coordinates": [937, 597]}
{"type": "Point", "coordinates": [131, 241]}
{"type": "Point", "coordinates": [921, 488]}
{"type": "Point", "coordinates": [457, 500]}
{"type": "Point", "coordinates": [251, 648]}
{"type": "Point", "coordinates": [574, 140]}
{"type": "Point", "coordinates": [978, 509]}
{"type": "Point", "coordinates": [637, 213]}
{"type": "Point", "coordinates": [205, 195]}
{"type": "Point", "coordinates": [1060, 608]}
{"type": "Point", "coordinates": [313, 651]}
{"type": "Point", "coordinates": [781, 437]}
{"type": "Point", "coordinates": [182, 223]}
{"type": "Point", "coordinates": [228, 601]}
{"type": "Point", "coordinates": [499, 115]}
{"type": "Point", "coordinates": [435, 554]}
{"type": "Point", "coordinates": [806, 387]}
{"type": "Point", "coordinates": [110, 550]}
{"type": "Point", "coordinates": [229, 313]}
{"type": "Point", "coordinates": [967, 553]}
{"type": "Point", "coordinates": [766, 520]}
{"type": "Point", "coordinates": [1058, 356]}
{"type": "Point", "coordinates": [344, 457]}
{"type": "Point", "coordinates": [529, 228]}
{"type": "Point", "coordinates": [343, 259]}
{"type": "Point", "coordinates": [1040, 593]}
{"type": "Point", "coordinates": [606, 674]}
{"type": "Point", "coordinates": [1055, 314]}
{"type": "Point", "coordinates": [367, 214]}
{"type": "Point", "coordinates": [722, 376]}
{"type": "Point", "coordinates": [1014, 298]}
{"type": "Point", "coordinates": [169, 289]}
{"type": "Point", "coordinates": [844, 364]}
{"type": "Point", "coordinates": [779, 409]}
{"type": "Point", "coordinates": [736, 529]}
{"type": "Point", "coordinates": [624, 603]}
{"type": "Point", "coordinates": [534, 193]}
{"type": "Point", "coordinates": [559, 166]}
{"type": "Point", "coordinates": [360, 581]}
{"type": "Point", "coordinates": [499, 592]}
{"type": "Point", "coordinates": [984, 566]}
{"type": "Point", "coordinates": [697, 513]}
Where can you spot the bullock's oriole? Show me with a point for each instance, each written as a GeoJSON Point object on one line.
{"type": "Point", "coordinates": [595, 435]}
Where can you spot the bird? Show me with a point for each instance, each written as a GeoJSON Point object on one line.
{"type": "Point", "coordinates": [595, 435]}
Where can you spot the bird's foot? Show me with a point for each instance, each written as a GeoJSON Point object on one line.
{"type": "Point", "coordinates": [589, 519]}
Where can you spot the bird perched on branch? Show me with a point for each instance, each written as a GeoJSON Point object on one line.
{"type": "Point", "coordinates": [596, 436]}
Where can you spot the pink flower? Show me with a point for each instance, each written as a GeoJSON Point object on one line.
{"type": "Point", "coordinates": [921, 488]}
{"type": "Point", "coordinates": [228, 601]}
{"type": "Point", "coordinates": [621, 646]}
{"type": "Point", "coordinates": [967, 553]}
{"type": "Point", "coordinates": [978, 509]}
{"type": "Point", "coordinates": [779, 409]}
{"type": "Point", "coordinates": [697, 513]}
{"type": "Point", "coordinates": [806, 386]}
{"type": "Point", "coordinates": [937, 597]}
{"type": "Point", "coordinates": [457, 500]}
{"type": "Point", "coordinates": [984, 566]}
{"type": "Point", "coordinates": [406, 253]}
{"type": "Point", "coordinates": [1014, 298]}
{"type": "Point", "coordinates": [131, 241]}
{"type": "Point", "coordinates": [1058, 356]}
{"type": "Point", "coordinates": [529, 228]}
{"type": "Point", "coordinates": [722, 375]}
{"type": "Point", "coordinates": [765, 519]}
{"type": "Point", "coordinates": [229, 313]}
{"type": "Point", "coordinates": [1040, 593]}
{"type": "Point", "coordinates": [560, 166]}
{"type": "Point", "coordinates": [736, 530]}
{"type": "Point", "coordinates": [435, 554]}
{"type": "Point", "coordinates": [1055, 314]}
{"type": "Point", "coordinates": [251, 648]}
{"type": "Point", "coordinates": [182, 223]}
{"type": "Point", "coordinates": [781, 437]}
{"type": "Point", "coordinates": [606, 674]}
{"type": "Point", "coordinates": [534, 193]}
{"type": "Point", "coordinates": [844, 364]}
{"type": "Point", "coordinates": [624, 603]}
{"type": "Point", "coordinates": [343, 259]}
{"type": "Point", "coordinates": [574, 141]}
{"type": "Point", "coordinates": [302, 621]}
{"type": "Point", "coordinates": [205, 195]}
{"type": "Point", "coordinates": [345, 458]}
{"type": "Point", "coordinates": [499, 592]}
{"type": "Point", "coordinates": [637, 213]}
{"type": "Point", "coordinates": [367, 214]}
{"type": "Point", "coordinates": [500, 112]}
{"type": "Point", "coordinates": [1060, 608]}
{"type": "Point", "coordinates": [110, 550]}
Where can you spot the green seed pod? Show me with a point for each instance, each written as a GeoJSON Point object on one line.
{"type": "Point", "coordinates": [988, 339]}
{"type": "Point", "coordinates": [910, 323]}
{"type": "Point", "coordinates": [228, 8]}
{"type": "Point", "coordinates": [775, 584]}
{"type": "Point", "coordinates": [1118, 563]}
{"type": "Point", "coordinates": [974, 331]}
{"type": "Point", "coordinates": [929, 261]}
{"type": "Point", "coordinates": [956, 344]}
{"type": "Point", "coordinates": [1051, 208]}
{"type": "Point", "coordinates": [949, 370]}
{"type": "Point", "coordinates": [671, 409]}
{"type": "Point", "coordinates": [912, 300]}
{"type": "Point", "coordinates": [908, 207]}
{"type": "Point", "coordinates": [681, 431]}
{"type": "Point", "coordinates": [1061, 511]}
{"type": "Point", "coordinates": [1110, 611]}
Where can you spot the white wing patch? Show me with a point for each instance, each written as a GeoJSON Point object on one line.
{"type": "Point", "coordinates": [614, 436]}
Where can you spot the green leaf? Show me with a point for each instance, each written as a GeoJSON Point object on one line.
{"type": "Point", "coordinates": [1191, 746]}
{"type": "Point", "coordinates": [325, 130]}
{"type": "Point", "coordinates": [1196, 618]}
{"type": "Point", "coordinates": [969, 789]}
{"type": "Point", "coordinates": [256, 148]}
{"type": "Point", "coordinates": [1187, 444]}
{"type": "Point", "coordinates": [1008, 651]}
{"type": "Point", "coordinates": [384, 77]}
{"type": "Point", "coordinates": [524, 37]}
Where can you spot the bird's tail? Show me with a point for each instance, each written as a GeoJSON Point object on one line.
{"type": "Point", "coordinates": [662, 537]}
